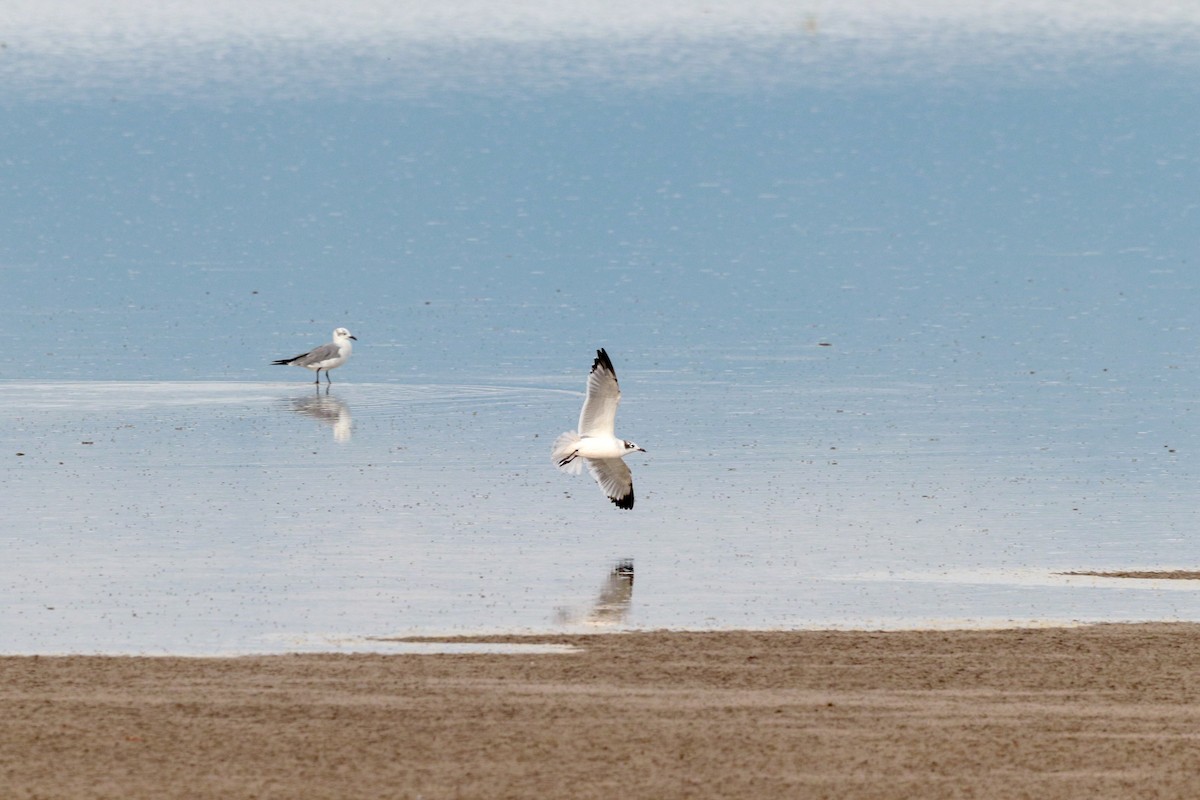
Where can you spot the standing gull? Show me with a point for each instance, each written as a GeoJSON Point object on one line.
{"type": "Point", "coordinates": [325, 357]}
{"type": "Point", "coordinates": [595, 440]}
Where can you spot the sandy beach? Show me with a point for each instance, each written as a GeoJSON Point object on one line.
{"type": "Point", "coordinates": [1099, 711]}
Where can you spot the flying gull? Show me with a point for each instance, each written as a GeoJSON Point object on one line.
{"type": "Point", "coordinates": [325, 357]}
{"type": "Point", "coordinates": [595, 440]}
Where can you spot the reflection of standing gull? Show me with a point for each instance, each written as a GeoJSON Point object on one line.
{"type": "Point", "coordinates": [325, 357]}
{"type": "Point", "coordinates": [329, 410]}
{"type": "Point", "coordinates": [612, 606]}
{"type": "Point", "coordinates": [595, 440]}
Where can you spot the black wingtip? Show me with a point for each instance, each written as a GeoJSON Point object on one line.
{"type": "Point", "coordinates": [625, 502]}
{"type": "Point", "coordinates": [602, 360]}
{"type": "Point", "coordinates": [287, 361]}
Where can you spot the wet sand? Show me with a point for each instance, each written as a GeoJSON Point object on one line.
{"type": "Point", "coordinates": [1102, 711]}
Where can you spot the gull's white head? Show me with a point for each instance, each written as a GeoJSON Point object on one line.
{"type": "Point", "coordinates": [631, 447]}
{"type": "Point", "coordinates": [342, 334]}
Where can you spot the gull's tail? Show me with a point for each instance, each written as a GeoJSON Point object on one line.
{"type": "Point", "coordinates": [565, 452]}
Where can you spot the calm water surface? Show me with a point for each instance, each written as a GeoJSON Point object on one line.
{"type": "Point", "coordinates": [905, 320]}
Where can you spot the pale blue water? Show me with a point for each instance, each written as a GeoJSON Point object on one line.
{"type": "Point", "coordinates": [907, 329]}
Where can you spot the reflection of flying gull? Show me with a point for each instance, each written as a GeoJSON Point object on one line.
{"type": "Point", "coordinates": [329, 410]}
{"type": "Point", "coordinates": [325, 357]}
{"type": "Point", "coordinates": [612, 606]}
{"type": "Point", "coordinates": [595, 440]}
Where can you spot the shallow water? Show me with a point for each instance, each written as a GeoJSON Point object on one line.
{"type": "Point", "coordinates": [225, 517]}
{"type": "Point", "coordinates": [907, 330]}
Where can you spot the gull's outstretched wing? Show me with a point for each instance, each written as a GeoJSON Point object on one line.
{"type": "Point", "coordinates": [614, 478]}
{"type": "Point", "coordinates": [599, 414]}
